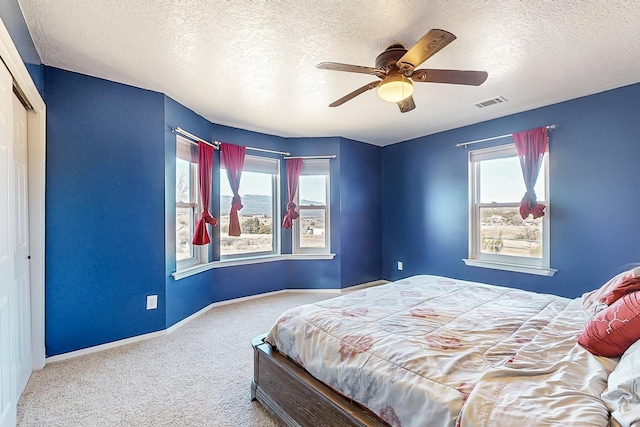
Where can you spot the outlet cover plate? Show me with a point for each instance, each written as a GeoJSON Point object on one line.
{"type": "Point", "coordinates": [152, 302]}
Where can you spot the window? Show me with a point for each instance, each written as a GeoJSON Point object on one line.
{"type": "Point", "coordinates": [311, 231]}
{"type": "Point", "coordinates": [187, 205]}
{"type": "Point", "coordinates": [499, 237]}
{"type": "Point", "coordinates": [259, 186]}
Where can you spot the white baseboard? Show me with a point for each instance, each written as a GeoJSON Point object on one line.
{"type": "Point", "coordinates": [218, 304]}
{"type": "Point", "coordinates": [364, 285]}
{"type": "Point", "coordinates": [177, 325]}
{"type": "Point", "coordinates": [106, 346]}
{"type": "Point", "coordinates": [341, 290]}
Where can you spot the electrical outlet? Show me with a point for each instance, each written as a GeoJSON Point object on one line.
{"type": "Point", "coordinates": [400, 266]}
{"type": "Point", "coordinates": [152, 302]}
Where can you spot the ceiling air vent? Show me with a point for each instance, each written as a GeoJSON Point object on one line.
{"type": "Point", "coordinates": [490, 102]}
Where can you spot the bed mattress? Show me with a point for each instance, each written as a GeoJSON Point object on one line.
{"type": "Point", "coordinates": [434, 351]}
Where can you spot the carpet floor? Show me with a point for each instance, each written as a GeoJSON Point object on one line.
{"type": "Point", "coordinates": [199, 375]}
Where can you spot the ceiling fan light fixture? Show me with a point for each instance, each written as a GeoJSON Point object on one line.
{"type": "Point", "coordinates": [395, 89]}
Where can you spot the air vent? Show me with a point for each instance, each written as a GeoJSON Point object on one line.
{"type": "Point", "coordinates": [490, 102]}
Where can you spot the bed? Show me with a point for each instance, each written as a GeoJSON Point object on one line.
{"type": "Point", "coordinates": [434, 351]}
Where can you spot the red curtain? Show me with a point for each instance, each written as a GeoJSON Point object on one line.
{"type": "Point", "coordinates": [205, 167]}
{"type": "Point", "coordinates": [294, 166]}
{"type": "Point", "coordinates": [232, 158]}
{"type": "Point", "coordinates": [531, 146]}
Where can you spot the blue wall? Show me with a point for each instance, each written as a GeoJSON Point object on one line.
{"type": "Point", "coordinates": [189, 295]}
{"type": "Point", "coordinates": [594, 156]}
{"type": "Point", "coordinates": [361, 212]}
{"type": "Point", "coordinates": [14, 22]}
{"type": "Point", "coordinates": [111, 216]}
{"type": "Point", "coordinates": [320, 273]}
{"type": "Point", "coordinates": [104, 210]}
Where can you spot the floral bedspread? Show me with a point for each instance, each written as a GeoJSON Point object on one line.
{"type": "Point", "coordinates": [433, 351]}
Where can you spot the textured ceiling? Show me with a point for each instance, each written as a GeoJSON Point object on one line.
{"type": "Point", "coordinates": [251, 64]}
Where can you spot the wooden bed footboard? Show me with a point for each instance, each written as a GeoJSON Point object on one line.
{"type": "Point", "coordinates": [298, 399]}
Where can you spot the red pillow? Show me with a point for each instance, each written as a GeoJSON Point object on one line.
{"type": "Point", "coordinates": [610, 332]}
{"type": "Point", "coordinates": [604, 293]}
{"type": "Point", "coordinates": [627, 285]}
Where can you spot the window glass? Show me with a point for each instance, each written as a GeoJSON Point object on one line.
{"type": "Point", "coordinates": [501, 181]}
{"type": "Point", "coordinates": [312, 229]}
{"type": "Point", "coordinates": [503, 231]}
{"type": "Point", "coordinates": [313, 190]}
{"type": "Point", "coordinates": [184, 233]}
{"type": "Point", "coordinates": [497, 231]}
{"type": "Point", "coordinates": [258, 191]}
{"type": "Point", "coordinates": [187, 205]}
{"type": "Point", "coordinates": [183, 181]}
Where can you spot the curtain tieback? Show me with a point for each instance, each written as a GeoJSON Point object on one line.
{"type": "Point", "coordinates": [530, 205]}
{"type": "Point", "coordinates": [291, 210]}
{"type": "Point", "coordinates": [530, 196]}
{"type": "Point", "coordinates": [236, 203]}
{"type": "Point", "coordinates": [290, 215]}
{"type": "Point", "coordinates": [208, 218]}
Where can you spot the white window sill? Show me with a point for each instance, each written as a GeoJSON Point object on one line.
{"type": "Point", "coordinates": [308, 256]}
{"type": "Point", "coordinates": [190, 271]}
{"type": "Point", "coordinates": [540, 271]}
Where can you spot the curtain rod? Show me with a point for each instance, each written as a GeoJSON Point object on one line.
{"type": "Point", "coordinates": [216, 144]}
{"type": "Point", "coordinates": [311, 157]}
{"type": "Point", "coordinates": [464, 144]}
{"type": "Point", "coordinates": [264, 150]}
{"type": "Point", "coordinates": [196, 139]}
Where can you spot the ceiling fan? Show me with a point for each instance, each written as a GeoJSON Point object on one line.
{"type": "Point", "coordinates": [396, 67]}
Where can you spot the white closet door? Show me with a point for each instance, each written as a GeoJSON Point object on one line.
{"type": "Point", "coordinates": [8, 373]}
{"type": "Point", "coordinates": [21, 258]}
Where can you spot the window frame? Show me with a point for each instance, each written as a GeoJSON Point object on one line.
{"type": "Point", "coordinates": [477, 258]}
{"type": "Point", "coordinates": [199, 254]}
{"type": "Point", "coordinates": [275, 201]}
{"type": "Point", "coordinates": [320, 167]}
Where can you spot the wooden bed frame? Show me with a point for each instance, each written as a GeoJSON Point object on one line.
{"type": "Point", "coordinates": [298, 399]}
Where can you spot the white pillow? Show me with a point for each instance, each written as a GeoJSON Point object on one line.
{"type": "Point", "coordinates": [622, 395]}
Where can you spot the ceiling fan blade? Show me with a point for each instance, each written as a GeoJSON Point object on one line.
{"type": "Point", "coordinates": [355, 93]}
{"type": "Point", "coordinates": [456, 77]}
{"type": "Point", "coordinates": [426, 47]}
{"type": "Point", "coordinates": [348, 68]}
{"type": "Point", "coordinates": [407, 104]}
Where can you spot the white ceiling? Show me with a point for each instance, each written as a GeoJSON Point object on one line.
{"type": "Point", "coordinates": [251, 64]}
